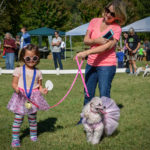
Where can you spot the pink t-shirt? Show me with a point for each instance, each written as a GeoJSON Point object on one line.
{"type": "Point", "coordinates": [106, 58]}
{"type": "Point", "coordinates": [18, 72]}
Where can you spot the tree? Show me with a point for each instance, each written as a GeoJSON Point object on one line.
{"type": "Point", "coordinates": [9, 16]}
{"type": "Point", "coordinates": [39, 13]}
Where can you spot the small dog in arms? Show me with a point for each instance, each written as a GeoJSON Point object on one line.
{"type": "Point", "coordinates": [100, 116]}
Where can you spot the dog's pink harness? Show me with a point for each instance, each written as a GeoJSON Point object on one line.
{"type": "Point", "coordinates": [94, 125]}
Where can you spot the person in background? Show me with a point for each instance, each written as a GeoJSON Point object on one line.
{"type": "Point", "coordinates": [56, 51]}
{"type": "Point", "coordinates": [10, 46]}
{"type": "Point", "coordinates": [17, 42]}
{"type": "Point", "coordinates": [63, 45]}
{"type": "Point", "coordinates": [25, 38]}
{"type": "Point", "coordinates": [125, 35]}
{"type": "Point", "coordinates": [133, 44]}
{"type": "Point", "coordinates": [141, 53]}
{"type": "Point", "coordinates": [147, 49]}
{"type": "Point", "coordinates": [120, 56]}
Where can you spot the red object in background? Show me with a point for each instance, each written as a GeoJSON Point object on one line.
{"type": "Point", "coordinates": [4, 51]}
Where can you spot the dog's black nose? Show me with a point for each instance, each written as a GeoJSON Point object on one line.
{"type": "Point", "coordinates": [104, 107]}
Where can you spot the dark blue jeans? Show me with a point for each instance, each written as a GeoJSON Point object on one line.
{"type": "Point", "coordinates": [57, 58]}
{"type": "Point", "coordinates": [10, 58]}
{"type": "Point", "coordinates": [120, 64]}
{"type": "Point", "coordinates": [102, 76]}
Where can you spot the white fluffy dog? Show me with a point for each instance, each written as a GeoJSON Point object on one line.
{"type": "Point", "coordinates": [142, 69]}
{"type": "Point", "coordinates": [146, 72]}
{"type": "Point", "coordinates": [139, 70]}
{"type": "Point", "coordinates": [92, 120]}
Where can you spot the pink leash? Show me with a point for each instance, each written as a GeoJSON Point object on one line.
{"type": "Point", "coordinates": [79, 70]}
{"type": "Point", "coordinates": [79, 67]}
{"type": "Point", "coordinates": [86, 90]}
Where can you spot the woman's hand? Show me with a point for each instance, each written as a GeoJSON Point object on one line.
{"type": "Point", "coordinates": [44, 91]}
{"type": "Point", "coordinates": [100, 41]}
{"type": "Point", "coordinates": [7, 46]}
{"type": "Point", "coordinates": [134, 51]}
{"type": "Point", "coordinates": [82, 55]}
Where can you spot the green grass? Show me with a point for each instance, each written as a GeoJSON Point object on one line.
{"type": "Point", "coordinates": [57, 128]}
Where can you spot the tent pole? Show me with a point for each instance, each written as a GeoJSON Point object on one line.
{"type": "Point", "coordinates": [65, 46]}
{"type": "Point", "coordinates": [71, 45]}
{"type": "Point", "coordinates": [40, 41]}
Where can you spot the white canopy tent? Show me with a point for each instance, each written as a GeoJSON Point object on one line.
{"type": "Point", "coordinates": [78, 31]}
{"type": "Point", "coordinates": [142, 25]}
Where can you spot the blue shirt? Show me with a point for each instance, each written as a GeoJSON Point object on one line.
{"type": "Point", "coordinates": [25, 40]}
{"type": "Point", "coordinates": [120, 56]}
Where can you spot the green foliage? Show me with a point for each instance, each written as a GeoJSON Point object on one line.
{"type": "Point", "coordinates": [10, 16]}
{"type": "Point", "coordinates": [45, 13]}
{"type": "Point", "coordinates": [61, 14]}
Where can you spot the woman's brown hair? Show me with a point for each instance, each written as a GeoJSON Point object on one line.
{"type": "Point", "coordinates": [120, 11]}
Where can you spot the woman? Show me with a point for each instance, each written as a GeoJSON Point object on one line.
{"type": "Point", "coordinates": [101, 63]}
{"type": "Point", "coordinates": [9, 45]}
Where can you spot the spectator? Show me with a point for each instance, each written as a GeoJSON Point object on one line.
{"type": "Point", "coordinates": [25, 38]}
{"type": "Point", "coordinates": [56, 50]}
{"type": "Point", "coordinates": [120, 56]}
{"type": "Point", "coordinates": [147, 49]}
{"type": "Point", "coordinates": [133, 44]}
{"type": "Point", "coordinates": [17, 42]}
{"type": "Point", "coordinates": [125, 35]}
{"type": "Point", "coordinates": [62, 49]}
{"type": "Point", "coordinates": [9, 45]}
{"type": "Point", "coordinates": [140, 53]}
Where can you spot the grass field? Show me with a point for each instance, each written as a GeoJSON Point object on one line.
{"type": "Point", "coordinates": [57, 128]}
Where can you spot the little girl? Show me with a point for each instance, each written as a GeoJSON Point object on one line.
{"type": "Point", "coordinates": [27, 98]}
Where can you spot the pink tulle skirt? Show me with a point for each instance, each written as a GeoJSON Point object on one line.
{"type": "Point", "coordinates": [17, 103]}
{"type": "Point", "coordinates": [112, 115]}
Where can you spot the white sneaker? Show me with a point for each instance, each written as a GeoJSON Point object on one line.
{"type": "Point", "coordinates": [131, 74]}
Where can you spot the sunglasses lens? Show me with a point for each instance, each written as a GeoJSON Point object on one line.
{"type": "Point", "coordinates": [27, 59]}
{"type": "Point", "coordinates": [108, 11]}
{"type": "Point", "coordinates": [112, 14]}
{"type": "Point", "coordinates": [35, 58]}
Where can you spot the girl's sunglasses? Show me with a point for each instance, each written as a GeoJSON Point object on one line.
{"type": "Point", "coordinates": [29, 59]}
{"type": "Point", "coordinates": [108, 11]}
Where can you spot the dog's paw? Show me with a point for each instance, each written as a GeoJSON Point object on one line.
{"type": "Point", "coordinates": [94, 142]}
{"type": "Point", "coordinates": [89, 140]}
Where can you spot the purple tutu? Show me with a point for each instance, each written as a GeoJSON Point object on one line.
{"type": "Point", "coordinates": [112, 115]}
{"type": "Point", "coordinates": [17, 103]}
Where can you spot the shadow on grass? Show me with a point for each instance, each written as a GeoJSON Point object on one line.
{"type": "Point", "coordinates": [120, 106]}
{"type": "Point", "coordinates": [47, 125]}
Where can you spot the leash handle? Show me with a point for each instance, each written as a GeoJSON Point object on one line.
{"type": "Point", "coordinates": [79, 67]}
